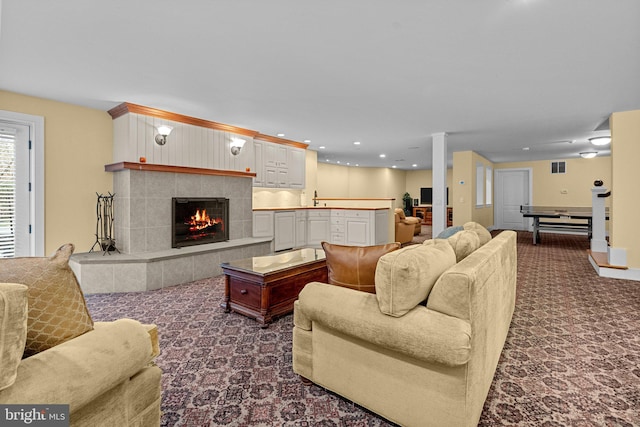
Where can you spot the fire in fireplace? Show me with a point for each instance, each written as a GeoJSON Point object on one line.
{"type": "Point", "coordinates": [197, 221]}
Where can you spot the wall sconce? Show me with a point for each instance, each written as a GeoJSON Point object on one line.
{"type": "Point", "coordinates": [163, 132]}
{"type": "Point", "coordinates": [588, 154]}
{"type": "Point", "coordinates": [236, 145]}
{"type": "Point", "coordinates": [600, 140]}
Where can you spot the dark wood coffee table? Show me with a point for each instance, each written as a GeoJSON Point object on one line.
{"type": "Point", "coordinates": [267, 286]}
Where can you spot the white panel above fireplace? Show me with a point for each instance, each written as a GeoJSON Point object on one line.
{"type": "Point", "coordinates": [187, 145]}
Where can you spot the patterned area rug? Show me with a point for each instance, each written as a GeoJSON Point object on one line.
{"type": "Point", "coordinates": [572, 356]}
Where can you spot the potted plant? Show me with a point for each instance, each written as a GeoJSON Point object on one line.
{"type": "Point", "coordinates": [407, 200]}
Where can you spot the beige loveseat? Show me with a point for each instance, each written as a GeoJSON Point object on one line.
{"type": "Point", "coordinates": [414, 363]}
{"type": "Point", "coordinates": [51, 352]}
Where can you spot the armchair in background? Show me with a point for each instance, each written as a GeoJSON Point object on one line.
{"type": "Point", "coordinates": [404, 231]}
{"type": "Point", "coordinates": [415, 222]}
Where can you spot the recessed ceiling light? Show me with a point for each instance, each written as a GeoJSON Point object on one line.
{"type": "Point", "coordinates": [394, 166]}
{"type": "Point", "coordinates": [525, 148]}
{"type": "Point", "coordinates": [357, 164]}
{"type": "Point", "coordinates": [322, 147]}
{"type": "Point", "coordinates": [356, 142]}
{"type": "Point", "coordinates": [306, 141]}
{"type": "Point", "coordinates": [281, 134]}
{"type": "Point", "coordinates": [414, 165]}
{"type": "Point", "coordinates": [382, 156]}
{"type": "Point", "coordinates": [338, 162]}
{"type": "Point", "coordinates": [348, 164]}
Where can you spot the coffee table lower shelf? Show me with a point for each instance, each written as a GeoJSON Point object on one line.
{"type": "Point", "coordinates": [265, 296]}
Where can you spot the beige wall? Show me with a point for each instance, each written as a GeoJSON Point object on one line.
{"type": "Point", "coordinates": [78, 143]}
{"type": "Point", "coordinates": [625, 200]}
{"type": "Point", "coordinates": [355, 182]}
{"type": "Point", "coordinates": [572, 188]}
{"type": "Point", "coordinates": [464, 190]}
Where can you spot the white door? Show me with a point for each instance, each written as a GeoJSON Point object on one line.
{"type": "Point", "coordinates": [512, 189]}
{"type": "Point", "coordinates": [15, 210]}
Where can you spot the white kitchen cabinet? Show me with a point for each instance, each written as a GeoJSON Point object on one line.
{"type": "Point", "coordinates": [258, 164]}
{"type": "Point", "coordinates": [301, 228]}
{"type": "Point", "coordinates": [337, 226]}
{"type": "Point", "coordinates": [318, 226]}
{"type": "Point", "coordinates": [262, 223]}
{"type": "Point", "coordinates": [362, 227]}
{"type": "Point", "coordinates": [281, 154]}
{"type": "Point", "coordinates": [285, 230]}
{"type": "Point", "coordinates": [381, 228]}
{"type": "Point", "coordinates": [296, 166]}
{"type": "Point", "coordinates": [358, 229]}
{"type": "Point", "coordinates": [269, 154]}
{"type": "Point", "coordinates": [279, 166]}
{"type": "Point", "coordinates": [297, 228]}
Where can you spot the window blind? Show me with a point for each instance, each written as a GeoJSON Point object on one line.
{"type": "Point", "coordinates": [7, 193]}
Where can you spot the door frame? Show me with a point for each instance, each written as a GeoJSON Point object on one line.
{"type": "Point", "coordinates": [497, 200]}
{"type": "Point", "coordinates": [36, 175]}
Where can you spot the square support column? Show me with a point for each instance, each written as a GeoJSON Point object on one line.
{"type": "Point", "coordinates": [439, 178]}
{"type": "Point", "coordinates": [598, 240]}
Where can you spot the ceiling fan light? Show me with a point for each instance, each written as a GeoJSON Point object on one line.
{"type": "Point", "coordinates": [600, 140]}
{"type": "Point", "coordinates": [588, 154]}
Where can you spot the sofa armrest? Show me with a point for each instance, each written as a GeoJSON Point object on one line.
{"type": "Point", "coordinates": [81, 369]}
{"type": "Point", "coordinates": [421, 333]}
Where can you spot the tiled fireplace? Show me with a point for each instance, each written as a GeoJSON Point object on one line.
{"type": "Point", "coordinates": [144, 223]}
{"type": "Point", "coordinates": [144, 202]}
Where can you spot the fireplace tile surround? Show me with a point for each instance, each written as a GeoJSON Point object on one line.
{"type": "Point", "coordinates": [142, 228]}
{"type": "Point", "coordinates": [143, 201]}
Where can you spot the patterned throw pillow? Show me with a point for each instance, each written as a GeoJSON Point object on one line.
{"type": "Point", "coordinates": [57, 309]}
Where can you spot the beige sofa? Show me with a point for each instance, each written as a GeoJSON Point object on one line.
{"type": "Point", "coordinates": [414, 363]}
{"type": "Point", "coordinates": [51, 351]}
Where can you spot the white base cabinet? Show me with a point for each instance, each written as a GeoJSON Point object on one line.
{"type": "Point", "coordinates": [310, 227]}
{"type": "Point", "coordinates": [285, 230]}
{"type": "Point", "coordinates": [318, 227]}
{"type": "Point", "coordinates": [301, 228]}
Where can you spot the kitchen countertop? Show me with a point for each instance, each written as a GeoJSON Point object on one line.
{"type": "Point", "coordinates": [291, 208]}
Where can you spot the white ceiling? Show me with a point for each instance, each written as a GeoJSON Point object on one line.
{"type": "Point", "coordinates": [495, 75]}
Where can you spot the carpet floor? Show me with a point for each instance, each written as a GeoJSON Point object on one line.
{"type": "Point", "coordinates": [572, 355]}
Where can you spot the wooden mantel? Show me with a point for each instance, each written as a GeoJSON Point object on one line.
{"type": "Point", "coordinates": [116, 167]}
{"type": "Point", "coordinates": [127, 107]}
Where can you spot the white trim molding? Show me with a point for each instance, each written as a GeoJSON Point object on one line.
{"type": "Point", "coordinates": [36, 135]}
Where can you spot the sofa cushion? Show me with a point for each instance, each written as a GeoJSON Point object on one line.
{"type": "Point", "coordinates": [449, 231]}
{"type": "Point", "coordinates": [57, 309]}
{"type": "Point", "coordinates": [464, 243]}
{"type": "Point", "coordinates": [354, 266]}
{"type": "Point", "coordinates": [13, 330]}
{"type": "Point", "coordinates": [482, 232]}
{"type": "Point", "coordinates": [405, 277]}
